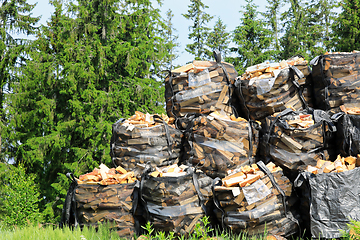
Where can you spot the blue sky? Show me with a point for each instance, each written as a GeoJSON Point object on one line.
{"type": "Point", "coordinates": [227, 10]}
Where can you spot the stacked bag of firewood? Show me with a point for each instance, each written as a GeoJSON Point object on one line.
{"type": "Point", "coordinates": [264, 151]}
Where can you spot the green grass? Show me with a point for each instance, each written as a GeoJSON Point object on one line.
{"type": "Point", "coordinates": [201, 232]}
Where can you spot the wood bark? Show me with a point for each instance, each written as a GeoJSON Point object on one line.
{"type": "Point", "coordinates": [282, 94]}
{"type": "Point", "coordinates": [336, 81]}
{"type": "Point", "coordinates": [205, 98]}
{"type": "Point", "coordinates": [217, 145]}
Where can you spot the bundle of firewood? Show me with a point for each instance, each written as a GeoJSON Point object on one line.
{"type": "Point", "coordinates": [95, 202]}
{"type": "Point", "coordinates": [341, 164]}
{"type": "Point", "coordinates": [268, 88]}
{"type": "Point", "coordinates": [176, 202]}
{"type": "Point", "coordinates": [200, 87]}
{"type": "Point", "coordinates": [336, 80]}
{"type": "Point", "coordinates": [294, 139]}
{"type": "Point", "coordinates": [107, 176]}
{"type": "Point", "coordinates": [253, 199]}
{"type": "Point", "coordinates": [350, 110]}
{"type": "Point", "coordinates": [217, 143]}
{"type": "Point", "coordinates": [145, 138]}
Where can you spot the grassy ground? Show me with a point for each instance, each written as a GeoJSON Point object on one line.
{"type": "Point", "coordinates": [50, 232]}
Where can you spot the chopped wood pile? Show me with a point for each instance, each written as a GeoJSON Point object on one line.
{"type": "Point", "coordinates": [251, 200]}
{"type": "Point", "coordinates": [199, 87]}
{"type": "Point", "coordinates": [176, 203]}
{"type": "Point", "coordinates": [145, 138]}
{"type": "Point", "coordinates": [350, 110]}
{"type": "Point", "coordinates": [216, 144]}
{"type": "Point", "coordinates": [99, 203]}
{"type": "Point", "coordinates": [341, 164]}
{"type": "Point", "coordinates": [107, 176]}
{"type": "Point", "coordinates": [295, 139]}
{"type": "Point", "coordinates": [170, 171]}
{"type": "Point", "coordinates": [336, 80]}
{"type": "Point", "coordinates": [269, 88]}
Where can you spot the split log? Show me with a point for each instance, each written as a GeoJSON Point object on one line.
{"type": "Point", "coordinates": [151, 140]}
{"type": "Point", "coordinates": [250, 207]}
{"type": "Point", "coordinates": [216, 143]}
{"type": "Point", "coordinates": [174, 202]}
{"type": "Point", "coordinates": [336, 80]}
{"type": "Point", "coordinates": [295, 139]}
{"type": "Point", "coordinates": [265, 89]}
{"type": "Point", "coordinates": [200, 87]}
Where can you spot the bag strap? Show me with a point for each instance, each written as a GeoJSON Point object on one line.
{"type": "Point", "coordinates": [197, 188]}
{"type": "Point", "coordinates": [295, 71]}
{"type": "Point", "coordinates": [157, 118]}
{"type": "Point", "coordinates": [69, 204]}
{"type": "Point", "coordinates": [217, 203]}
{"type": "Point", "coordinates": [263, 168]}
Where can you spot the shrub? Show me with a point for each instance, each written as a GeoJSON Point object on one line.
{"type": "Point", "coordinates": [19, 197]}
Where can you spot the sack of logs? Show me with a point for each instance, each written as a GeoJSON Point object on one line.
{"type": "Point", "coordinates": [144, 138]}
{"type": "Point", "coordinates": [269, 88]}
{"type": "Point", "coordinates": [328, 195]}
{"type": "Point", "coordinates": [176, 199]}
{"type": "Point", "coordinates": [336, 80]}
{"type": "Point", "coordinates": [200, 87]}
{"type": "Point", "coordinates": [348, 131]}
{"type": "Point", "coordinates": [294, 139]}
{"type": "Point", "coordinates": [256, 200]}
{"type": "Point", "coordinates": [103, 195]}
{"type": "Point", "coordinates": [217, 143]}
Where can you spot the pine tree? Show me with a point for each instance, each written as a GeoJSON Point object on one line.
{"type": "Point", "coordinates": [218, 39]}
{"type": "Point", "coordinates": [170, 41]}
{"type": "Point", "coordinates": [252, 39]}
{"type": "Point", "coordinates": [306, 28]}
{"type": "Point", "coordinates": [346, 28]}
{"type": "Point", "coordinates": [94, 63]}
{"type": "Point", "coordinates": [199, 30]}
{"type": "Point", "coordinates": [15, 18]}
{"type": "Point", "coordinates": [272, 18]}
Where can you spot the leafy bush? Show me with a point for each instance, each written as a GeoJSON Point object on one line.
{"type": "Point", "coordinates": [19, 197]}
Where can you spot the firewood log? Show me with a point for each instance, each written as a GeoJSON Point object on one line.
{"type": "Point", "coordinates": [216, 144]}
{"type": "Point", "coordinates": [247, 206]}
{"type": "Point", "coordinates": [336, 80]}
{"type": "Point", "coordinates": [200, 87]}
{"type": "Point", "coordinates": [265, 89]}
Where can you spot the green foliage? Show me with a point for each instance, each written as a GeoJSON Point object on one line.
{"type": "Point", "coordinates": [15, 17]}
{"type": "Point", "coordinates": [19, 197]}
{"type": "Point", "coordinates": [353, 231]}
{"type": "Point", "coordinates": [272, 19]}
{"type": "Point", "coordinates": [218, 39]}
{"type": "Point", "coordinates": [199, 30]}
{"type": "Point", "coordinates": [252, 39]}
{"type": "Point", "coordinates": [346, 28]}
{"type": "Point", "coordinates": [306, 28]}
{"type": "Point", "coordinates": [94, 63]}
{"type": "Point", "coordinates": [50, 232]}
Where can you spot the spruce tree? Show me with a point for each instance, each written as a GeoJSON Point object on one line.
{"type": "Point", "coordinates": [252, 39]}
{"type": "Point", "coordinates": [199, 30]}
{"type": "Point", "coordinates": [218, 39]}
{"type": "Point", "coordinates": [272, 19]}
{"type": "Point", "coordinates": [94, 63]}
{"type": "Point", "coordinates": [346, 27]}
{"type": "Point", "coordinates": [15, 18]}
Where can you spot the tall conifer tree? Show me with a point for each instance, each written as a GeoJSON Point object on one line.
{"type": "Point", "coordinates": [15, 18]}
{"type": "Point", "coordinates": [252, 39]}
{"type": "Point", "coordinates": [347, 27]}
{"type": "Point", "coordinates": [218, 39]}
{"type": "Point", "coordinates": [96, 62]}
{"type": "Point", "coordinates": [199, 30]}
